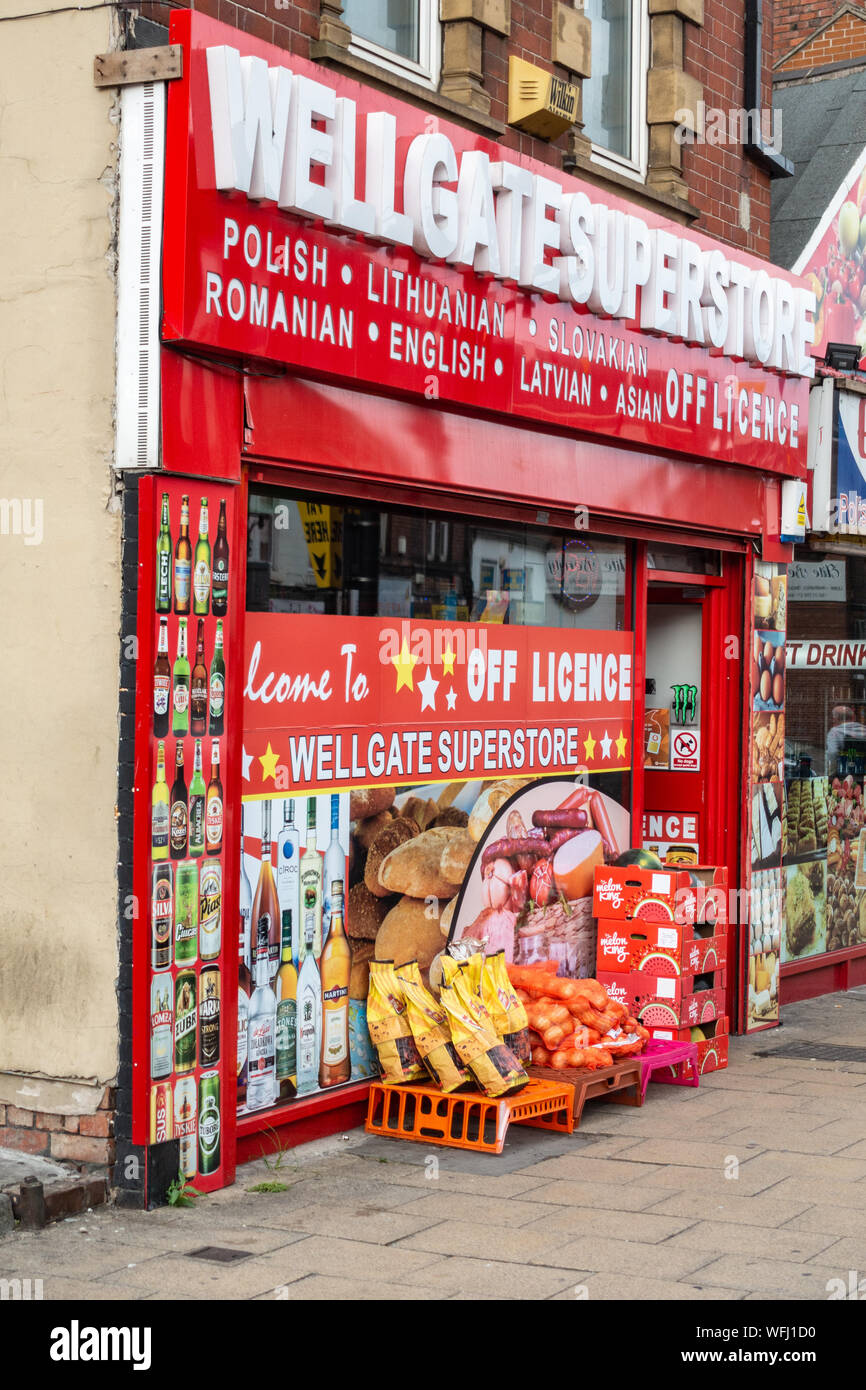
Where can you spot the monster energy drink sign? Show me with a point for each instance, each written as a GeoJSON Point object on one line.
{"type": "Point", "coordinates": [685, 704]}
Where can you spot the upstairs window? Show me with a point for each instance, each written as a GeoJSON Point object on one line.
{"type": "Point", "coordinates": [401, 36]}
{"type": "Point", "coordinates": [614, 96]}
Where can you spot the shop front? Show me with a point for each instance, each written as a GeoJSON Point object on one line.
{"type": "Point", "coordinates": [450, 584]}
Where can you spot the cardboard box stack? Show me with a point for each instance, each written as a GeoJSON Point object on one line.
{"type": "Point", "coordinates": [662, 951]}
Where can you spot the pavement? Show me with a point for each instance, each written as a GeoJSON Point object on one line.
{"type": "Point", "coordinates": [752, 1187]}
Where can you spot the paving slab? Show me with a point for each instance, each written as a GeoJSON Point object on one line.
{"type": "Point", "coordinates": [513, 1243]}
{"type": "Point", "coordinates": [834, 1220]}
{"type": "Point", "coordinates": [625, 1197]}
{"type": "Point", "coordinates": [826, 1139]}
{"type": "Point", "coordinates": [689, 1152]}
{"type": "Point", "coordinates": [769, 1278]}
{"type": "Point", "coordinates": [714, 1182]}
{"type": "Point", "coordinates": [60, 1286]}
{"type": "Point", "coordinates": [846, 1254]}
{"type": "Point", "coordinates": [731, 1238]}
{"type": "Point", "coordinates": [590, 1169]}
{"type": "Point", "coordinates": [598, 1287]}
{"type": "Point", "coordinates": [631, 1258]}
{"type": "Point", "coordinates": [461, 1206]}
{"type": "Point", "coordinates": [461, 1277]}
{"type": "Point", "coordinates": [357, 1222]}
{"type": "Point", "coordinates": [524, 1144]}
{"type": "Point", "coordinates": [762, 1209]}
{"type": "Point", "coordinates": [323, 1288]}
{"type": "Point", "coordinates": [574, 1223]}
{"type": "Point", "coordinates": [814, 1166]}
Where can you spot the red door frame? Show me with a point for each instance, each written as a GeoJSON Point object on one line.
{"type": "Point", "coordinates": [723, 700]}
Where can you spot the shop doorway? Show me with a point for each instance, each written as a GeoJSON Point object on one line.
{"type": "Point", "coordinates": [693, 710]}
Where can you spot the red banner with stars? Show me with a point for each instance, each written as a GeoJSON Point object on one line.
{"type": "Point", "coordinates": [332, 703]}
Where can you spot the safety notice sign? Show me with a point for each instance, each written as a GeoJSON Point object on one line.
{"type": "Point", "coordinates": [685, 750]}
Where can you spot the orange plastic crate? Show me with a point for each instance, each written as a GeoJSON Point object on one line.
{"type": "Point", "coordinates": [467, 1119]}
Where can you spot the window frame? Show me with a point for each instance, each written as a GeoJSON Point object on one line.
{"type": "Point", "coordinates": [424, 73]}
{"type": "Point", "coordinates": [636, 166]}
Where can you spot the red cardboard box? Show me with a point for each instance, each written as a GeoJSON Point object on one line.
{"type": "Point", "coordinates": [660, 1001]}
{"type": "Point", "coordinates": [712, 1052]}
{"type": "Point", "coordinates": [660, 896]}
{"type": "Point", "coordinates": [657, 948]}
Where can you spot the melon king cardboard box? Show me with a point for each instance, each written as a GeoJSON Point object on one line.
{"type": "Point", "coordinates": [656, 950]}
{"type": "Point", "coordinates": [664, 1001]}
{"type": "Point", "coordinates": [662, 923]}
{"type": "Point", "coordinates": [712, 1049]}
{"type": "Point", "coordinates": [695, 899]}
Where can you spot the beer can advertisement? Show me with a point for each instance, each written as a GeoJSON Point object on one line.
{"type": "Point", "coordinates": [355, 850]}
{"type": "Point", "coordinates": [193, 599]}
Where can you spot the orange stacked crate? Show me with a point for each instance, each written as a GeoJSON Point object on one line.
{"type": "Point", "coordinates": [662, 951]}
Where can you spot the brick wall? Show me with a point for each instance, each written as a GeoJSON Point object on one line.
{"type": "Point", "coordinates": [842, 42]}
{"type": "Point", "coordinates": [717, 176]}
{"type": "Point", "coordinates": [795, 20]}
{"type": "Point", "coordinates": [87, 1139]}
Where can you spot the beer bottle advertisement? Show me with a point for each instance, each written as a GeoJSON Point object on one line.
{"type": "Point", "coordinates": [188, 727]}
{"type": "Point", "coordinates": [209, 1017]}
{"type": "Point", "coordinates": [201, 573]}
{"type": "Point", "coordinates": [183, 563]}
{"type": "Point", "coordinates": [179, 822]}
{"type": "Point", "coordinates": [198, 691]}
{"type": "Point", "coordinates": [161, 913]}
{"type": "Point", "coordinates": [163, 560]}
{"type": "Point", "coordinates": [220, 581]}
{"type": "Point", "coordinates": [161, 683]}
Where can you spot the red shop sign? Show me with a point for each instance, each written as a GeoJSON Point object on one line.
{"type": "Point", "coordinates": [332, 703]}
{"type": "Point", "coordinates": [314, 222]}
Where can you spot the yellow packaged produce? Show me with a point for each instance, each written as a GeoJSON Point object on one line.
{"type": "Point", "coordinates": [429, 1024]}
{"type": "Point", "coordinates": [490, 996]}
{"type": "Point", "coordinates": [494, 1066]}
{"type": "Point", "coordinates": [450, 968]}
{"type": "Point", "coordinates": [389, 1027]}
{"type": "Point", "coordinates": [462, 983]}
{"type": "Point", "coordinates": [410, 971]}
{"type": "Point", "coordinates": [474, 970]}
{"type": "Point", "coordinates": [516, 1035]}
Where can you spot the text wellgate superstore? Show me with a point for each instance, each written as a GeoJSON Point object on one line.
{"type": "Point", "coordinates": [497, 462]}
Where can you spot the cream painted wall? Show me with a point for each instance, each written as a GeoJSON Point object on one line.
{"type": "Point", "coordinates": [60, 598]}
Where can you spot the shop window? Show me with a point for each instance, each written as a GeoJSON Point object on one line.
{"type": "Point", "coordinates": [304, 557]}
{"type": "Point", "coordinates": [614, 96]}
{"type": "Point", "coordinates": [399, 35]}
{"type": "Point", "coordinates": [825, 752]}
{"type": "Point", "coordinates": [682, 559]}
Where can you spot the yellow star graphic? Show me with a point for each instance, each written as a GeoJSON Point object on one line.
{"type": "Point", "coordinates": [621, 744]}
{"type": "Point", "coordinates": [269, 763]}
{"type": "Point", "coordinates": [448, 663]}
{"type": "Point", "coordinates": [404, 664]}
{"type": "Point", "coordinates": [589, 746]}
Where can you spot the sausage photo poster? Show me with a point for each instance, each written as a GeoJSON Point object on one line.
{"type": "Point", "coordinates": [528, 890]}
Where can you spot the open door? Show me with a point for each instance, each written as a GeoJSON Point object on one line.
{"type": "Point", "coordinates": [693, 711]}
